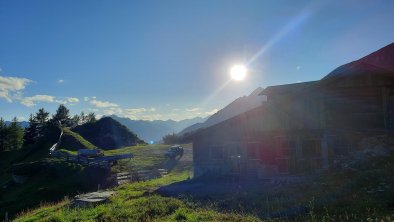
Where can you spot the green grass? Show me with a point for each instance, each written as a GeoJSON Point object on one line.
{"type": "Point", "coordinates": [43, 187]}
{"type": "Point", "coordinates": [47, 184]}
{"type": "Point", "coordinates": [137, 202]}
{"type": "Point", "coordinates": [68, 151]}
{"type": "Point", "coordinates": [146, 157]}
{"type": "Point", "coordinates": [14, 197]}
{"type": "Point", "coordinates": [337, 195]}
{"type": "Point", "coordinates": [73, 141]}
{"type": "Point", "coordinates": [29, 153]}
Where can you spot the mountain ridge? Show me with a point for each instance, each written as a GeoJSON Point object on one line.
{"type": "Point", "coordinates": [107, 133]}
{"type": "Point", "coordinates": [154, 130]}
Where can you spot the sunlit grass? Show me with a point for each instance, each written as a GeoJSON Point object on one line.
{"type": "Point", "coordinates": [333, 196]}
{"type": "Point", "coordinates": [146, 157]}
{"type": "Point", "coordinates": [136, 202]}
{"type": "Point", "coordinates": [73, 141]}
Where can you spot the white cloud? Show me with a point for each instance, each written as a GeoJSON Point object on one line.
{"type": "Point", "coordinates": [85, 98]}
{"type": "Point", "coordinates": [134, 111]}
{"type": "Point", "coordinates": [193, 109]}
{"type": "Point", "coordinates": [109, 112]}
{"type": "Point", "coordinates": [71, 100]}
{"type": "Point", "coordinates": [10, 86]}
{"type": "Point", "coordinates": [142, 113]}
{"type": "Point", "coordinates": [102, 104]}
{"type": "Point", "coordinates": [211, 112]}
{"type": "Point", "coordinates": [298, 67]}
{"type": "Point", "coordinates": [33, 100]}
{"type": "Point", "coordinates": [60, 81]}
{"type": "Point", "coordinates": [151, 117]}
{"type": "Point", "coordinates": [93, 109]}
{"type": "Point", "coordinates": [113, 111]}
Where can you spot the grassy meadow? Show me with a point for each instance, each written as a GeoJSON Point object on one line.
{"type": "Point", "coordinates": [138, 201]}
{"type": "Point", "coordinates": [363, 192]}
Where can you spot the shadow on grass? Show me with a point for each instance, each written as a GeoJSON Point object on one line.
{"type": "Point", "coordinates": [261, 199]}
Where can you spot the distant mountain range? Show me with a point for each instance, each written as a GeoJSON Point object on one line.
{"type": "Point", "coordinates": [155, 130]}
{"type": "Point", "coordinates": [238, 106]}
{"type": "Point", "coordinates": [24, 124]}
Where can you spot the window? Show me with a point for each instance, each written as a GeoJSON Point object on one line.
{"type": "Point", "coordinates": [282, 158]}
{"type": "Point", "coordinates": [292, 148]}
{"type": "Point", "coordinates": [283, 165]}
{"type": "Point", "coordinates": [267, 152]}
{"type": "Point", "coordinates": [282, 148]}
{"type": "Point", "coordinates": [234, 150]}
{"type": "Point", "coordinates": [310, 148]}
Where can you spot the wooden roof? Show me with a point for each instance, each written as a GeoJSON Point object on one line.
{"type": "Point", "coordinates": [287, 88]}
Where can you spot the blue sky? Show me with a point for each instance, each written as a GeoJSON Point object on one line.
{"type": "Point", "coordinates": [164, 59]}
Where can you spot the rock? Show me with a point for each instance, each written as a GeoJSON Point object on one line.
{"type": "Point", "coordinates": [92, 199]}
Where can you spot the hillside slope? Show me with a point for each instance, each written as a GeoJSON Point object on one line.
{"type": "Point", "coordinates": [107, 133]}
{"type": "Point", "coordinates": [73, 141]}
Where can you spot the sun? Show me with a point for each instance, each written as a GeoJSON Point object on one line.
{"type": "Point", "coordinates": [238, 72]}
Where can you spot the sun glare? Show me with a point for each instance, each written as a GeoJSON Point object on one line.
{"type": "Point", "coordinates": [238, 72]}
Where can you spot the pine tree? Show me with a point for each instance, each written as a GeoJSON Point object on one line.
{"type": "Point", "coordinates": [62, 115]}
{"type": "Point", "coordinates": [76, 120]}
{"type": "Point", "coordinates": [42, 116]}
{"type": "Point", "coordinates": [15, 135]}
{"type": "Point", "coordinates": [3, 129]}
{"type": "Point", "coordinates": [42, 121]}
{"type": "Point", "coordinates": [171, 139]}
{"type": "Point", "coordinates": [83, 117]}
{"type": "Point", "coordinates": [91, 118]}
{"type": "Point", "coordinates": [31, 132]}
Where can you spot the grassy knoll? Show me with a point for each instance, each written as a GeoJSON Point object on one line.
{"type": "Point", "coordinates": [73, 141]}
{"type": "Point", "coordinates": [139, 201]}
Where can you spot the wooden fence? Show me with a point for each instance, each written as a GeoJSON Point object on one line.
{"type": "Point", "coordinates": [141, 175]}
